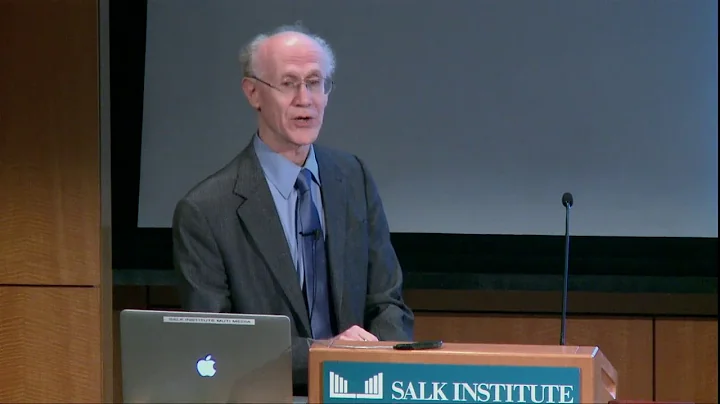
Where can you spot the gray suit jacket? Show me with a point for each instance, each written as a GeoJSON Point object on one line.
{"type": "Point", "coordinates": [232, 255]}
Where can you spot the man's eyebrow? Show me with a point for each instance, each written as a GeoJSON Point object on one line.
{"type": "Point", "coordinates": [289, 76]}
{"type": "Point", "coordinates": [313, 73]}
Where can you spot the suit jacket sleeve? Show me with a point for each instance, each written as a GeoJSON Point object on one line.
{"type": "Point", "coordinates": [386, 314]}
{"type": "Point", "coordinates": [196, 256]}
{"type": "Point", "coordinates": [203, 279]}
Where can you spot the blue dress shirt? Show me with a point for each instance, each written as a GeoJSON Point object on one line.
{"type": "Point", "coordinates": [281, 175]}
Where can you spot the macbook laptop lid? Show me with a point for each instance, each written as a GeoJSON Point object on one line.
{"type": "Point", "coordinates": [190, 357]}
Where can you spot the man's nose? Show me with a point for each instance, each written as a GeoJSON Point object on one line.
{"type": "Point", "coordinates": [302, 96]}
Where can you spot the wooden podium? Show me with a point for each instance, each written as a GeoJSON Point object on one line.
{"type": "Point", "coordinates": [374, 372]}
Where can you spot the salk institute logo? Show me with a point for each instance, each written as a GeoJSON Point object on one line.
{"type": "Point", "coordinates": [373, 388]}
{"type": "Point", "coordinates": [356, 382]}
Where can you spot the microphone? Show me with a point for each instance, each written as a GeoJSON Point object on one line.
{"type": "Point", "coordinates": [314, 233]}
{"type": "Point", "coordinates": [567, 201]}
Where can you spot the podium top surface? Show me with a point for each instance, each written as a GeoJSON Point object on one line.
{"type": "Point", "coordinates": [465, 348]}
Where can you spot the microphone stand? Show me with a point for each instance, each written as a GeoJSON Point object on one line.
{"type": "Point", "coordinates": [566, 274]}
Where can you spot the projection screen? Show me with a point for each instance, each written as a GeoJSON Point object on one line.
{"type": "Point", "coordinates": [473, 116]}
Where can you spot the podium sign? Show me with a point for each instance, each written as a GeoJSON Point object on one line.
{"type": "Point", "coordinates": [409, 382]}
{"type": "Point", "coordinates": [459, 373]}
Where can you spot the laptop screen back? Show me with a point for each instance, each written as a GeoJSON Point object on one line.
{"type": "Point", "coordinates": [170, 356]}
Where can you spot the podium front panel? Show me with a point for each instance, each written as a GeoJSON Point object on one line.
{"type": "Point", "coordinates": [459, 373]}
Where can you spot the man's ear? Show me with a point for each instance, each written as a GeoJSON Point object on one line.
{"type": "Point", "coordinates": [251, 93]}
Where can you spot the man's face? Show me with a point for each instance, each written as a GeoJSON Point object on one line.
{"type": "Point", "coordinates": [288, 90]}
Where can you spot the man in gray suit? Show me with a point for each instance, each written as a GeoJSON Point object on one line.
{"type": "Point", "coordinates": [289, 227]}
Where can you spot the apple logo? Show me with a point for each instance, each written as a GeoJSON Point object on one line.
{"type": "Point", "coordinates": [206, 366]}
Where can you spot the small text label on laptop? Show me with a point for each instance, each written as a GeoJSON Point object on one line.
{"type": "Point", "coordinates": [208, 320]}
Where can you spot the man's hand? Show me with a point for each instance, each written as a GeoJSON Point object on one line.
{"type": "Point", "coordinates": [356, 333]}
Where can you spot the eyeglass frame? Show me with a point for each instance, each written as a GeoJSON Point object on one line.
{"type": "Point", "coordinates": [297, 85]}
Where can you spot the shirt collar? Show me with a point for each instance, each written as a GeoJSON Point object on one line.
{"type": "Point", "coordinates": [280, 171]}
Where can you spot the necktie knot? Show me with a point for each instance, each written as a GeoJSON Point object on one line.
{"type": "Point", "coordinates": [303, 181]}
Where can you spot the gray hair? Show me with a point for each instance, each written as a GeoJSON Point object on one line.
{"type": "Point", "coordinates": [248, 53]}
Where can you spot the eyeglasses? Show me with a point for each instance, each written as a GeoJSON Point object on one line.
{"type": "Point", "coordinates": [318, 86]}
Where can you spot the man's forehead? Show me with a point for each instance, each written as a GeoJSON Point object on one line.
{"type": "Point", "coordinates": [292, 40]}
{"type": "Point", "coordinates": [288, 53]}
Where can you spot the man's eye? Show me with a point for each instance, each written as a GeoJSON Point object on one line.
{"type": "Point", "coordinates": [288, 84]}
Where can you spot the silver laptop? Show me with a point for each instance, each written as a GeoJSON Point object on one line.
{"type": "Point", "coordinates": [190, 357]}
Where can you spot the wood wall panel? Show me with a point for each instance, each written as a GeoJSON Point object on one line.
{"type": "Point", "coordinates": [49, 143]}
{"type": "Point", "coordinates": [475, 328]}
{"type": "Point", "coordinates": [55, 275]}
{"type": "Point", "coordinates": [627, 342]}
{"type": "Point", "coordinates": [50, 342]}
{"type": "Point", "coordinates": [686, 360]}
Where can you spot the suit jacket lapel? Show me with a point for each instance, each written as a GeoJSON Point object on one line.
{"type": "Point", "coordinates": [259, 216]}
{"type": "Point", "coordinates": [335, 207]}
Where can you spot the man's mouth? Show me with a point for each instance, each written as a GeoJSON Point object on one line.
{"type": "Point", "coordinates": [304, 121]}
